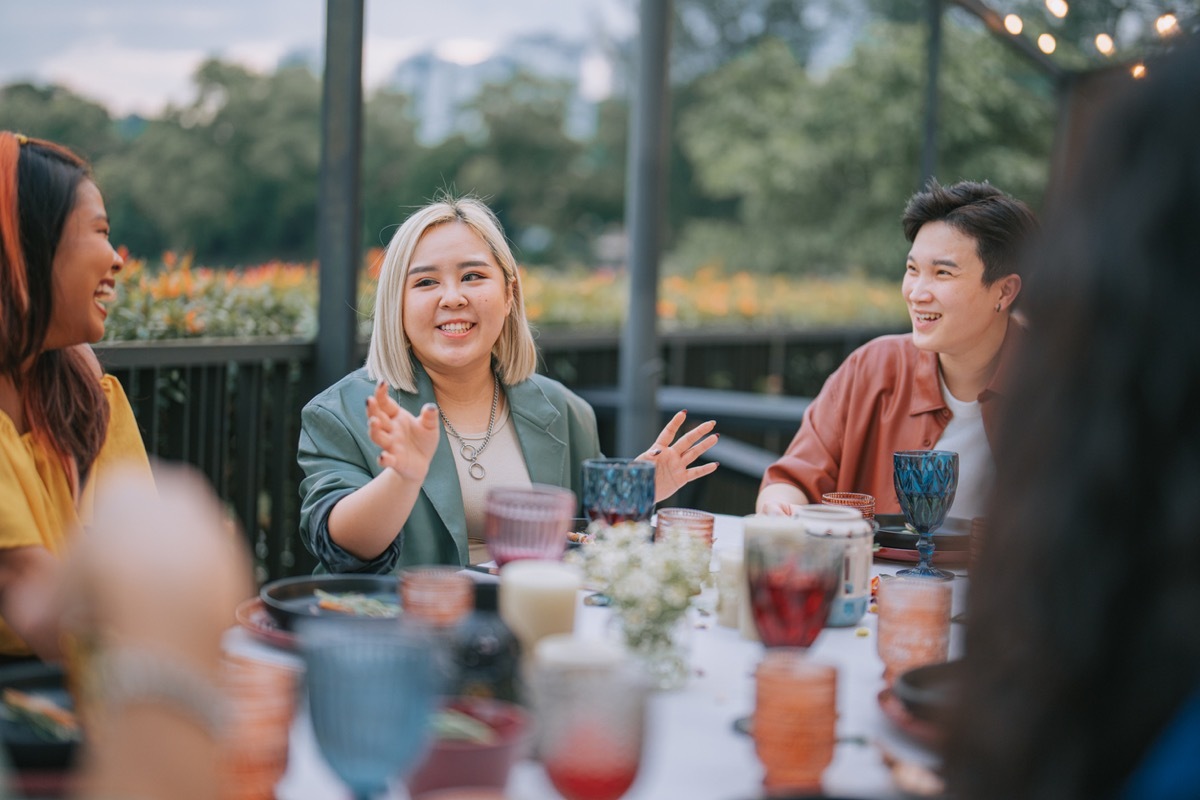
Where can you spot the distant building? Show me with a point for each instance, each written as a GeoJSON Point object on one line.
{"type": "Point", "coordinates": [441, 84]}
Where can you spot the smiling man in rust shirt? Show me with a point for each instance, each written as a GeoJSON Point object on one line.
{"type": "Point", "coordinates": [935, 388]}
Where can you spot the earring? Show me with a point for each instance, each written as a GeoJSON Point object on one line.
{"type": "Point", "coordinates": [997, 308]}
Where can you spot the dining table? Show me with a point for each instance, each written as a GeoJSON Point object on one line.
{"type": "Point", "coordinates": [692, 749]}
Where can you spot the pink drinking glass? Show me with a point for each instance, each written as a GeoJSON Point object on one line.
{"type": "Point", "coordinates": [591, 726]}
{"type": "Point", "coordinates": [695, 523]}
{"type": "Point", "coordinates": [795, 720]}
{"type": "Point", "coordinates": [914, 624]}
{"type": "Point", "coordinates": [531, 522]}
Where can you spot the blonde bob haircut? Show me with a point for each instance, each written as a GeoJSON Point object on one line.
{"type": "Point", "coordinates": [389, 357]}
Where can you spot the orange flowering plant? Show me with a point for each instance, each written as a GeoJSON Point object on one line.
{"type": "Point", "coordinates": [175, 298]}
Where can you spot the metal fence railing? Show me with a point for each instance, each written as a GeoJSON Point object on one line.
{"type": "Point", "coordinates": [232, 408]}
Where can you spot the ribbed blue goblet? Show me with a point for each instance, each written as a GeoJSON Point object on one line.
{"type": "Point", "coordinates": [618, 490]}
{"type": "Point", "coordinates": [925, 483]}
{"type": "Point", "coordinates": [371, 690]}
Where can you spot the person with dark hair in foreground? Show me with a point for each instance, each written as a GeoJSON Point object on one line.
{"type": "Point", "coordinates": [1082, 668]}
{"type": "Point", "coordinates": [934, 388]}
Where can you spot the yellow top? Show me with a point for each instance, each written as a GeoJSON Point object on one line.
{"type": "Point", "coordinates": [36, 503]}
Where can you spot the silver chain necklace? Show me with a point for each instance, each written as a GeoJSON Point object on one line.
{"type": "Point", "coordinates": [469, 452]}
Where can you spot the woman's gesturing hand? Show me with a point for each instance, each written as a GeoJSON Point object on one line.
{"type": "Point", "coordinates": [672, 461]}
{"type": "Point", "coordinates": [407, 442]}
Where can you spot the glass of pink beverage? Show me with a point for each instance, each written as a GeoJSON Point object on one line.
{"type": "Point", "coordinates": [592, 728]}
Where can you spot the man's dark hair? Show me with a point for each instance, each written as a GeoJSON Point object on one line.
{"type": "Point", "coordinates": [1000, 224]}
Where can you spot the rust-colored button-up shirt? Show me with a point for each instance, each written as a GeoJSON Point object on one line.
{"type": "Point", "coordinates": [885, 397]}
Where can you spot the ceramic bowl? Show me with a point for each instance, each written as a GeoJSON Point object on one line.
{"type": "Point", "coordinates": [453, 763]}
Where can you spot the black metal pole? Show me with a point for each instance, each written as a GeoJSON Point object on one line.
{"type": "Point", "coordinates": [338, 215]}
{"type": "Point", "coordinates": [933, 64]}
{"type": "Point", "coordinates": [645, 203]}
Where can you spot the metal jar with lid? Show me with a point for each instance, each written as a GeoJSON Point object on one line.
{"type": "Point", "coordinates": [858, 535]}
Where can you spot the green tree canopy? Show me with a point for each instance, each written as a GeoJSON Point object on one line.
{"type": "Point", "coordinates": [821, 170]}
{"type": "Point", "coordinates": [59, 115]}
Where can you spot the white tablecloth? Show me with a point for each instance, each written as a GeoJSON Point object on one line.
{"type": "Point", "coordinates": [692, 750]}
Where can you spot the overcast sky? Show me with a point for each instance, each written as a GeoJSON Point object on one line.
{"type": "Point", "coordinates": [138, 55]}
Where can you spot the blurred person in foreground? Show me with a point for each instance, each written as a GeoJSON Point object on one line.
{"type": "Point", "coordinates": [147, 593]}
{"type": "Point", "coordinates": [1082, 672]}
{"type": "Point", "coordinates": [63, 423]}
{"type": "Point", "coordinates": [399, 456]}
{"type": "Point", "coordinates": [935, 388]}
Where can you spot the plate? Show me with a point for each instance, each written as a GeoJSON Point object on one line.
{"type": "Point", "coordinates": [253, 615]}
{"type": "Point", "coordinates": [897, 543]}
{"type": "Point", "coordinates": [927, 692]}
{"type": "Point", "coordinates": [27, 750]}
{"type": "Point", "coordinates": [291, 599]}
{"type": "Point", "coordinates": [919, 730]}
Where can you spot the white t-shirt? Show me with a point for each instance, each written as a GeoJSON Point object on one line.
{"type": "Point", "coordinates": [966, 436]}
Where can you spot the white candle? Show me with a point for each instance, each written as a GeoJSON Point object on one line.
{"type": "Point", "coordinates": [731, 585]}
{"type": "Point", "coordinates": [537, 598]}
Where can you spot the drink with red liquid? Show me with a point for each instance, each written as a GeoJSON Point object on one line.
{"type": "Point", "coordinates": [591, 727]}
{"type": "Point", "coordinates": [615, 517]}
{"type": "Point", "coordinates": [618, 489]}
{"type": "Point", "coordinates": [792, 577]}
{"type": "Point", "coordinates": [790, 604]}
{"type": "Point", "coordinates": [576, 778]}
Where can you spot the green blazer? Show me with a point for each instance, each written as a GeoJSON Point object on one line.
{"type": "Point", "coordinates": [555, 427]}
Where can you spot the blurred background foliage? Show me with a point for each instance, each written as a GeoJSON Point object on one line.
{"type": "Point", "coordinates": [795, 138]}
{"type": "Point", "coordinates": [174, 298]}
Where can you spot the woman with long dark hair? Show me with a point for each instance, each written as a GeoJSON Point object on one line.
{"type": "Point", "coordinates": [1083, 652]}
{"type": "Point", "coordinates": [61, 420]}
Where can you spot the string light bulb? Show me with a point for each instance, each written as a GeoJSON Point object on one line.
{"type": "Point", "coordinates": [1013, 24]}
{"type": "Point", "coordinates": [1138, 71]}
{"type": "Point", "coordinates": [1166, 24]}
{"type": "Point", "coordinates": [1104, 43]}
{"type": "Point", "coordinates": [1058, 8]}
{"type": "Point", "coordinates": [1046, 43]}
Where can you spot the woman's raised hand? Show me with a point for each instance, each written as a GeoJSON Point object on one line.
{"type": "Point", "coordinates": [672, 461]}
{"type": "Point", "coordinates": [407, 442]}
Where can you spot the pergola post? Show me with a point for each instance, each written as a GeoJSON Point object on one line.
{"type": "Point", "coordinates": [338, 213]}
{"type": "Point", "coordinates": [645, 204]}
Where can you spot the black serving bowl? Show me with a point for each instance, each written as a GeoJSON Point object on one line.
{"type": "Point", "coordinates": [291, 599]}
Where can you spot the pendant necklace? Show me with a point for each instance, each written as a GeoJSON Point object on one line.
{"type": "Point", "coordinates": [469, 452]}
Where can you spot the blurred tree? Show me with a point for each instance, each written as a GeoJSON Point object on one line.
{"type": "Point", "coordinates": [60, 115]}
{"type": "Point", "coordinates": [709, 33]}
{"type": "Point", "coordinates": [390, 157]}
{"type": "Point", "coordinates": [821, 170]}
{"type": "Point", "coordinates": [525, 165]}
{"type": "Point", "coordinates": [597, 199]}
{"type": "Point", "coordinates": [900, 10]}
{"type": "Point", "coordinates": [232, 176]}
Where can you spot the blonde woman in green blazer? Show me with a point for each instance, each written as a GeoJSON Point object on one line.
{"type": "Point", "coordinates": [399, 455]}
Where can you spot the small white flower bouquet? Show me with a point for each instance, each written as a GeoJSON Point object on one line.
{"type": "Point", "coordinates": [649, 584]}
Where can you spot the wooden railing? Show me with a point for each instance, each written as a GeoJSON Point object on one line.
{"type": "Point", "coordinates": [232, 409]}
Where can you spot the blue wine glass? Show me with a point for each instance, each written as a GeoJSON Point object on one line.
{"type": "Point", "coordinates": [618, 490]}
{"type": "Point", "coordinates": [925, 484]}
{"type": "Point", "coordinates": [371, 691]}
